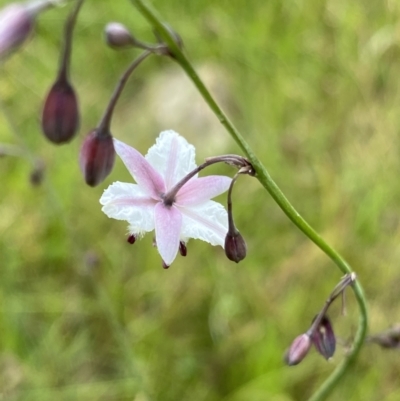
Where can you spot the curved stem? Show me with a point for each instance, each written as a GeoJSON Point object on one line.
{"type": "Point", "coordinates": [63, 71]}
{"type": "Point", "coordinates": [104, 125]}
{"type": "Point", "coordinates": [269, 184]}
{"type": "Point", "coordinates": [234, 160]}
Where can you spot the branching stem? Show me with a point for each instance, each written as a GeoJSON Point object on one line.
{"type": "Point", "coordinates": [269, 184]}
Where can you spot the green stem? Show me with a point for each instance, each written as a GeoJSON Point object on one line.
{"type": "Point", "coordinates": [268, 183]}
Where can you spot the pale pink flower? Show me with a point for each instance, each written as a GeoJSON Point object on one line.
{"type": "Point", "coordinates": [192, 213]}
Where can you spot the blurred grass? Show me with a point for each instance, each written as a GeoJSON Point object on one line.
{"type": "Point", "coordinates": [314, 88]}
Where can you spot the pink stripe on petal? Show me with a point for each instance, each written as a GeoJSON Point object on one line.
{"type": "Point", "coordinates": [199, 190]}
{"type": "Point", "coordinates": [208, 222]}
{"type": "Point", "coordinates": [168, 224]}
{"type": "Point", "coordinates": [142, 171]}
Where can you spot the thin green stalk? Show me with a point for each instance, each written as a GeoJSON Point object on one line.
{"type": "Point", "coordinates": [268, 183]}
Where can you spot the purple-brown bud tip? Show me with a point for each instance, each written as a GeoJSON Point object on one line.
{"type": "Point", "coordinates": [16, 24]}
{"type": "Point", "coordinates": [131, 239]}
{"type": "Point", "coordinates": [97, 157]}
{"type": "Point", "coordinates": [235, 246]}
{"type": "Point", "coordinates": [182, 248]}
{"type": "Point", "coordinates": [118, 36]}
{"type": "Point", "coordinates": [324, 338]}
{"type": "Point", "coordinates": [60, 117]}
{"type": "Point", "coordinates": [298, 349]}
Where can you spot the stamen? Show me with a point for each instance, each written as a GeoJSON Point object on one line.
{"type": "Point", "coordinates": [131, 239]}
{"type": "Point", "coordinates": [182, 248]}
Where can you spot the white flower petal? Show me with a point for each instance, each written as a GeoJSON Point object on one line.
{"type": "Point", "coordinates": [168, 222]}
{"type": "Point", "coordinates": [208, 222]}
{"type": "Point", "coordinates": [123, 201]}
{"type": "Point", "coordinates": [172, 156]}
{"type": "Point", "coordinates": [142, 171]}
{"type": "Point", "coordinates": [199, 190]}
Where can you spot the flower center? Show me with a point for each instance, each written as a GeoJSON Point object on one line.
{"type": "Point", "coordinates": [168, 199]}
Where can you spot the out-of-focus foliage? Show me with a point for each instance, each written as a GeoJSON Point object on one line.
{"type": "Point", "coordinates": [314, 86]}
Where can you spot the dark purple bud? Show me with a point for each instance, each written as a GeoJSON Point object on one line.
{"type": "Point", "coordinates": [298, 349]}
{"type": "Point", "coordinates": [131, 239]}
{"type": "Point", "coordinates": [16, 24]}
{"type": "Point", "coordinates": [60, 118]}
{"type": "Point", "coordinates": [324, 338]}
{"type": "Point", "coordinates": [235, 246]}
{"type": "Point", "coordinates": [97, 157]}
{"type": "Point", "coordinates": [182, 248]}
{"type": "Point", "coordinates": [118, 36]}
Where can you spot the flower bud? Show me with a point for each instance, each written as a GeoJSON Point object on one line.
{"type": "Point", "coordinates": [60, 117]}
{"type": "Point", "coordinates": [298, 349]}
{"type": "Point", "coordinates": [118, 36]}
{"type": "Point", "coordinates": [324, 338]}
{"type": "Point", "coordinates": [235, 246]}
{"type": "Point", "coordinates": [16, 24]}
{"type": "Point", "coordinates": [97, 157]}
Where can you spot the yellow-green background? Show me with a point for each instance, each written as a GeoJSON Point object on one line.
{"type": "Point", "coordinates": [314, 86]}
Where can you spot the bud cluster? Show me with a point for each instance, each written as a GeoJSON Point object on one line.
{"type": "Point", "coordinates": [321, 333]}
{"type": "Point", "coordinates": [60, 118]}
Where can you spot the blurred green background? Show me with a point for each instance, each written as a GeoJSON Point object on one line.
{"type": "Point", "coordinates": [314, 87]}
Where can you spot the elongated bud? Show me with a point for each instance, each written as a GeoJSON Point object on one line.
{"type": "Point", "coordinates": [97, 157]}
{"type": "Point", "coordinates": [235, 246]}
{"type": "Point", "coordinates": [16, 24]}
{"type": "Point", "coordinates": [118, 36]}
{"type": "Point", "coordinates": [60, 117]}
{"type": "Point", "coordinates": [298, 349]}
{"type": "Point", "coordinates": [324, 338]}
